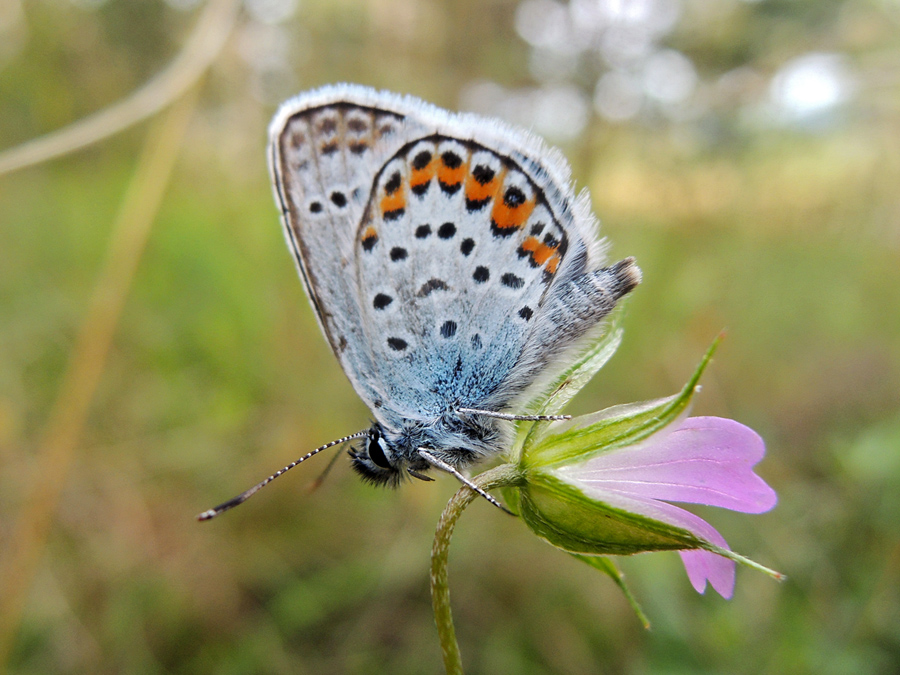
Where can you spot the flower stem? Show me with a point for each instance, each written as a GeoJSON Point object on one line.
{"type": "Point", "coordinates": [501, 476]}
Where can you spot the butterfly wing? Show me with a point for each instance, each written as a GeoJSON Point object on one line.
{"type": "Point", "coordinates": [324, 151]}
{"type": "Point", "coordinates": [448, 250]}
{"type": "Point", "coordinates": [455, 262]}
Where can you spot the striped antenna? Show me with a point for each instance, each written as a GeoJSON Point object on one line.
{"type": "Point", "coordinates": [244, 496]}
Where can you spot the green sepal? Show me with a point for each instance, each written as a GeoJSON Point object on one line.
{"type": "Point", "coordinates": [609, 568]}
{"type": "Point", "coordinates": [567, 518]}
{"type": "Point", "coordinates": [584, 437]}
{"type": "Point", "coordinates": [510, 496]}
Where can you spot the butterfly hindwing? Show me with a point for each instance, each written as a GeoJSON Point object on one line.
{"type": "Point", "coordinates": [456, 250]}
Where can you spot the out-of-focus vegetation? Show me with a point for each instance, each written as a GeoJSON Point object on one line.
{"type": "Point", "coordinates": [747, 153]}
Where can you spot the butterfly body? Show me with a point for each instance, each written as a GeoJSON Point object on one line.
{"type": "Point", "coordinates": [448, 262]}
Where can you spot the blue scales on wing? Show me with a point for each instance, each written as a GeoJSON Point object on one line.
{"type": "Point", "coordinates": [459, 254]}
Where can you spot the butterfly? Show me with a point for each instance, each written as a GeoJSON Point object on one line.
{"type": "Point", "coordinates": [449, 265]}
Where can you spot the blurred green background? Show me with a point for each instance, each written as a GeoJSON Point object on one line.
{"type": "Point", "coordinates": [747, 153]}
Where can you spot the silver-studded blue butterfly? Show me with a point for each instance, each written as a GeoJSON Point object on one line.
{"type": "Point", "coordinates": [449, 264]}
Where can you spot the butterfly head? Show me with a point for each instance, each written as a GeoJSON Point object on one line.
{"type": "Point", "coordinates": [377, 460]}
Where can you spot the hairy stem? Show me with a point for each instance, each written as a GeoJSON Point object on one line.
{"type": "Point", "coordinates": [501, 476]}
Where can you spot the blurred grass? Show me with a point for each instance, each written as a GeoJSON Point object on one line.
{"type": "Point", "coordinates": [218, 374]}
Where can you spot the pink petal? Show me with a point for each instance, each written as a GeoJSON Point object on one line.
{"type": "Point", "coordinates": [700, 565]}
{"type": "Point", "coordinates": [703, 460]}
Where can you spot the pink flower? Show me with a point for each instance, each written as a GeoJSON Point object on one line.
{"type": "Point", "coordinates": [699, 460]}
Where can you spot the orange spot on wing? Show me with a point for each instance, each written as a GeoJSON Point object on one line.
{"type": "Point", "coordinates": [450, 176]}
{"type": "Point", "coordinates": [476, 192]}
{"type": "Point", "coordinates": [394, 202]}
{"type": "Point", "coordinates": [369, 232]}
{"type": "Point", "coordinates": [553, 263]}
{"type": "Point", "coordinates": [423, 175]}
{"type": "Point", "coordinates": [542, 253]}
{"type": "Point", "coordinates": [506, 217]}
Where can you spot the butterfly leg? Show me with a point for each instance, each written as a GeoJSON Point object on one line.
{"type": "Point", "coordinates": [443, 466]}
{"type": "Point", "coordinates": [515, 418]}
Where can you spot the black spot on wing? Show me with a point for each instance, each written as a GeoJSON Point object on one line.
{"type": "Point", "coordinates": [483, 174]}
{"type": "Point", "coordinates": [513, 197]}
{"type": "Point", "coordinates": [393, 183]}
{"type": "Point", "coordinates": [431, 286]}
{"type": "Point", "coordinates": [298, 139]}
{"type": "Point", "coordinates": [467, 246]}
{"type": "Point", "coordinates": [512, 281]}
{"type": "Point", "coordinates": [451, 160]}
{"type": "Point", "coordinates": [446, 231]}
{"type": "Point", "coordinates": [357, 125]}
{"type": "Point", "coordinates": [423, 231]}
{"type": "Point", "coordinates": [448, 329]}
{"type": "Point", "coordinates": [369, 242]}
{"type": "Point", "coordinates": [481, 274]}
{"type": "Point", "coordinates": [397, 344]}
{"type": "Point", "coordinates": [381, 301]}
{"type": "Point", "coordinates": [398, 253]}
{"type": "Point", "coordinates": [502, 232]}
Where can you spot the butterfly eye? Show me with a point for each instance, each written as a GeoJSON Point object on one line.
{"type": "Point", "coordinates": [376, 451]}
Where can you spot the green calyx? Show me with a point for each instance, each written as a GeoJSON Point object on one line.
{"type": "Point", "coordinates": [563, 514]}
{"type": "Point", "coordinates": [567, 518]}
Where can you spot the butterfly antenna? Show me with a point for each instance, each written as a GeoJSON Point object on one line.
{"type": "Point", "coordinates": [443, 466]}
{"type": "Point", "coordinates": [244, 496]}
{"type": "Point", "coordinates": [515, 418]}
